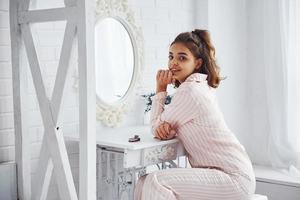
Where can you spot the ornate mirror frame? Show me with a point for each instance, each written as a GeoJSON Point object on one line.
{"type": "Point", "coordinates": [111, 115]}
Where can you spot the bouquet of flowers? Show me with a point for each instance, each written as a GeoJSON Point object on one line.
{"type": "Point", "coordinates": [148, 99]}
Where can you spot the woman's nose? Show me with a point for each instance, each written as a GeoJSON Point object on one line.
{"type": "Point", "coordinates": [172, 64]}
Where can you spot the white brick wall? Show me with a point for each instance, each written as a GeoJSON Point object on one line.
{"type": "Point", "coordinates": [5, 68]}
{"type": "Point", "coordinates": [4, 5]}
{"type": "Point", "coordinates": [4, 21]}
{"type": "Point", "coordinates": [161, 21]}
{"type": "Point", "coordinates": [6, 107]}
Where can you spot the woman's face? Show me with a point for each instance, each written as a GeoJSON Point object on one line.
{"type": "Point", "coordinates": [182, 62]}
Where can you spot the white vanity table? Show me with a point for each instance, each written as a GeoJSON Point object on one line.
{"type": "Point", "coordinates": [120, 162]}
{"type": "Point", "coordinates": [147, 151]}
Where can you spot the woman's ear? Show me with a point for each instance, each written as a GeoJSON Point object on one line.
{"type": "Point", "coordinates": [199, 62]}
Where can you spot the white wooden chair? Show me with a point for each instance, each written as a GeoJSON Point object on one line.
{"type": "Point", "coordinates": [259, 197]}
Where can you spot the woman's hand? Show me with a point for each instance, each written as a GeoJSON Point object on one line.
{"type": "Point", "coordinates": [163, 78]}
{"type": "Point", "coordinates": [165, 131]}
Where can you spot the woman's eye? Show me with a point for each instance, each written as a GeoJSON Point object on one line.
{"type": "Point", "coordinates": [182, 58]}
{"type": "Point", "coordinates": [170, 57]}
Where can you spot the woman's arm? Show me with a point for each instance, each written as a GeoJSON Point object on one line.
{"type": "Point", "coordinates": [164, 131]}
{"type": "Point", "coordinates": [182, 109]}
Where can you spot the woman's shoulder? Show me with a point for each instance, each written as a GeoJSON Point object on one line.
{"type": "Point", "coordinates": [201, 87]}
{"type": "Point", "coordinates": [185, 87]}
{"type": "Point", "coordinates": [196, 90]}
{"type": "Point", "coordinates": [187, 90]}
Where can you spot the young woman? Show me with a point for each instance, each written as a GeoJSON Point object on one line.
{"type": "Point", "coordinates": [221, 168]}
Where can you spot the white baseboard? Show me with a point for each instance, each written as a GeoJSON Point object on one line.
{"type": "Point", "coordinates": [8, 183]}
{"type": "Point", "coordinates": [275, 184]}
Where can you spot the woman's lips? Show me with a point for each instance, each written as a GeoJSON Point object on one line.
{"type": "Point", "coordinates": [174, 71]}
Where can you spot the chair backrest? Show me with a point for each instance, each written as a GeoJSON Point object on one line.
{"type": "Point", "coordinates": [259, 197]}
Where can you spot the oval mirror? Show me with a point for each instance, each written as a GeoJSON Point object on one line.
{"type": "Point", "coordinates": [119, 54]}
{"type": "Point", "coordinates": [114, 60]}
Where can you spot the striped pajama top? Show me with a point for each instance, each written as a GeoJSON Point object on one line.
{"type": "Point", "coordinates": [200, 126]}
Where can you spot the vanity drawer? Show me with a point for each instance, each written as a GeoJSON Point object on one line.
{"type": "Point", "coordinates": [158, 154]}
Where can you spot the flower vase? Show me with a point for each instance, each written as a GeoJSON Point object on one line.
{"type": "Point", "coordinates": [146, 118]}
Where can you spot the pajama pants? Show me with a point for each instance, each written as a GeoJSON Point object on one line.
{"type": "Point", "coordinates": [194, 184]}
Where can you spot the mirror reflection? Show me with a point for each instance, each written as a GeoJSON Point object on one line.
{"type": "Point", "coordinates": [114, 60]}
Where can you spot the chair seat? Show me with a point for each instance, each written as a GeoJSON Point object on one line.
{"type": "Point", "coordinates": [259, 197]}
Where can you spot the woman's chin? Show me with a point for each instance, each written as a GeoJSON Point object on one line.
{"type": "Point", "coordinates": [175, 77]}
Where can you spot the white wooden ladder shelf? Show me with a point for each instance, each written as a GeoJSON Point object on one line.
{"type": "Point", "coordinates": [53, 156]}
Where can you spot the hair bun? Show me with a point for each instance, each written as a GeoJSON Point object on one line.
{"type": "Point", "coordinates": [204, 36]}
